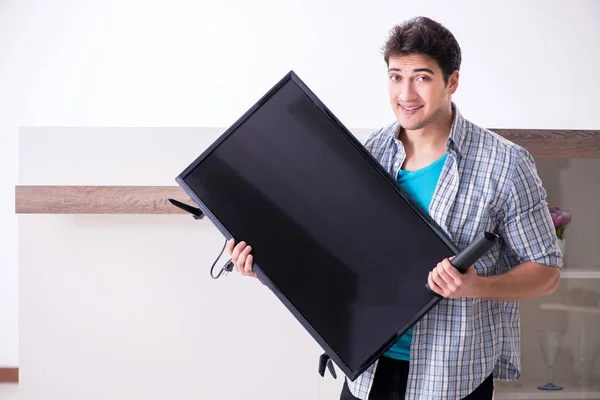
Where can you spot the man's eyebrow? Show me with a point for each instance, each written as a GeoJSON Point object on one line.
{"type": "Point", "coordinates": [424, 70]}
{"type": "Point", "coordinates": [414, 70]}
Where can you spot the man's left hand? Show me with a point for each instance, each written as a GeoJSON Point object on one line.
{"type": "Point", "coordinates": [448, 282]}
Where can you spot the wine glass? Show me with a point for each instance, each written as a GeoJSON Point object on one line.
{"type": "Point", "coordinates": [551, 344]}
{"type": "Point", "coordinates": [585, 353]}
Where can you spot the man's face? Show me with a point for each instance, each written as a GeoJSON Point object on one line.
{"type": "Point", "coordinates": [418, 93]}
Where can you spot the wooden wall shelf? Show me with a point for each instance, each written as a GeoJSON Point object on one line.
{"type": "Point", "coordinates": [153, 199]}
{"type": "Point", "coordinates": [98, 199]}
{"type": "Point", "coordinates": [553, 143]}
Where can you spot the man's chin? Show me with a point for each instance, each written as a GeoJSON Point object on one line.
{"type": "Point", "coordinates": [410, 125]}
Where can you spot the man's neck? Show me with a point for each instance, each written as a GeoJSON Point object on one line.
{"type": "Point", "coordinates": [426, 145]}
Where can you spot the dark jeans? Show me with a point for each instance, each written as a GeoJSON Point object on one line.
{"type": "Point", "coordinates": [390, 381]}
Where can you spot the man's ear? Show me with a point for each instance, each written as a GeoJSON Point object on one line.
{"type": "Point", "coordinates": [452, 83]}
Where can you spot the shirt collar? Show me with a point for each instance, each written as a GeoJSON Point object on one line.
{"type": "Point", "coordinates": [457, 137]}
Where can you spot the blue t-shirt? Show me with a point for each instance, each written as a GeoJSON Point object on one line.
{"type": "Point", "coordinates": [420, 185]}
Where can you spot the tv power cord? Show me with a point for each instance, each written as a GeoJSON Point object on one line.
{"type": "Point", "coordinates": [227, 268]}
{"type": "Point", "coordinates": [197, 214]}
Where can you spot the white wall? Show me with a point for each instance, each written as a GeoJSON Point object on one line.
{"type": "Point", "coordinates": [127, 299]}
{"type": "Point", "coordinates": [189, 63]}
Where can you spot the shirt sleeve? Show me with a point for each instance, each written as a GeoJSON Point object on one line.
{"type": "Point", "coordinates": [527, 226]}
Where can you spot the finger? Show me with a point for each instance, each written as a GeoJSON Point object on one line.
{"type": "Point", "coordinates": [451, 272]}
{"type": "Point", "coordinates": [439, 281]}
{"type": "Point", "coordinates": [237, 250]}
{"type": "Point", "coordinates": [230, 244]}
{"type": "Point", "coordinates": [241, 261]}
{"type": "Point", "coordinates": [236, 255]}
{"type": "Point", "coordinates": [433, 285]}
{"type": "Point", "coordinates": [248, 265]}
{"type": "Point", "coordinates": [447, 271]}
{"type": "Point", "coordinates": [450, 285]}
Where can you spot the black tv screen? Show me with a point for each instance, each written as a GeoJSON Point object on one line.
{"type": "Point", "coordinates": [332, 233]}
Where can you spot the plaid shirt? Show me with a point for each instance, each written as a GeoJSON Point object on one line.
{"type": "Point", "coordinates": [487, 183]}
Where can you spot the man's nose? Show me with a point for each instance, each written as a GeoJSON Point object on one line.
{"type": "Point", "coordinates": [407, 92]}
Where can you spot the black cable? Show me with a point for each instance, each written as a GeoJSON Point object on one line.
{"type": "Point", "coordinates": [197, 214]}
{"type": "Point", "coordinates": [228, 267]}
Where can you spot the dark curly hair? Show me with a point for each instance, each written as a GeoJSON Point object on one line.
{"type": "Point", "coordinates": [421, 35]}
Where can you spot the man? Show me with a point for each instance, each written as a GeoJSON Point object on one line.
{"type": "Point", "coordinates": [469, 180]}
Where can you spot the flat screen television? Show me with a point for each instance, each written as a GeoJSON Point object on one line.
{"type": "Point", "coordinates": [333, 235]}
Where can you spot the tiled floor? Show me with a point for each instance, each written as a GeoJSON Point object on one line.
{"type": "Point", "coordinates": [8, 391]}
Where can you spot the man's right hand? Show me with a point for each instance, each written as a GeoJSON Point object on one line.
{"type": "Point", "coordinates": [241, 257]}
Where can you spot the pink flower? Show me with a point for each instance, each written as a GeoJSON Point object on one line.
{"type": "Point", "coordinates": [560, 219]}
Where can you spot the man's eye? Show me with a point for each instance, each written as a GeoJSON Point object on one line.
{"type": "Point", "coordinates": [394, 78]}
{"type": "Point", "coordinates": [423, 78]}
